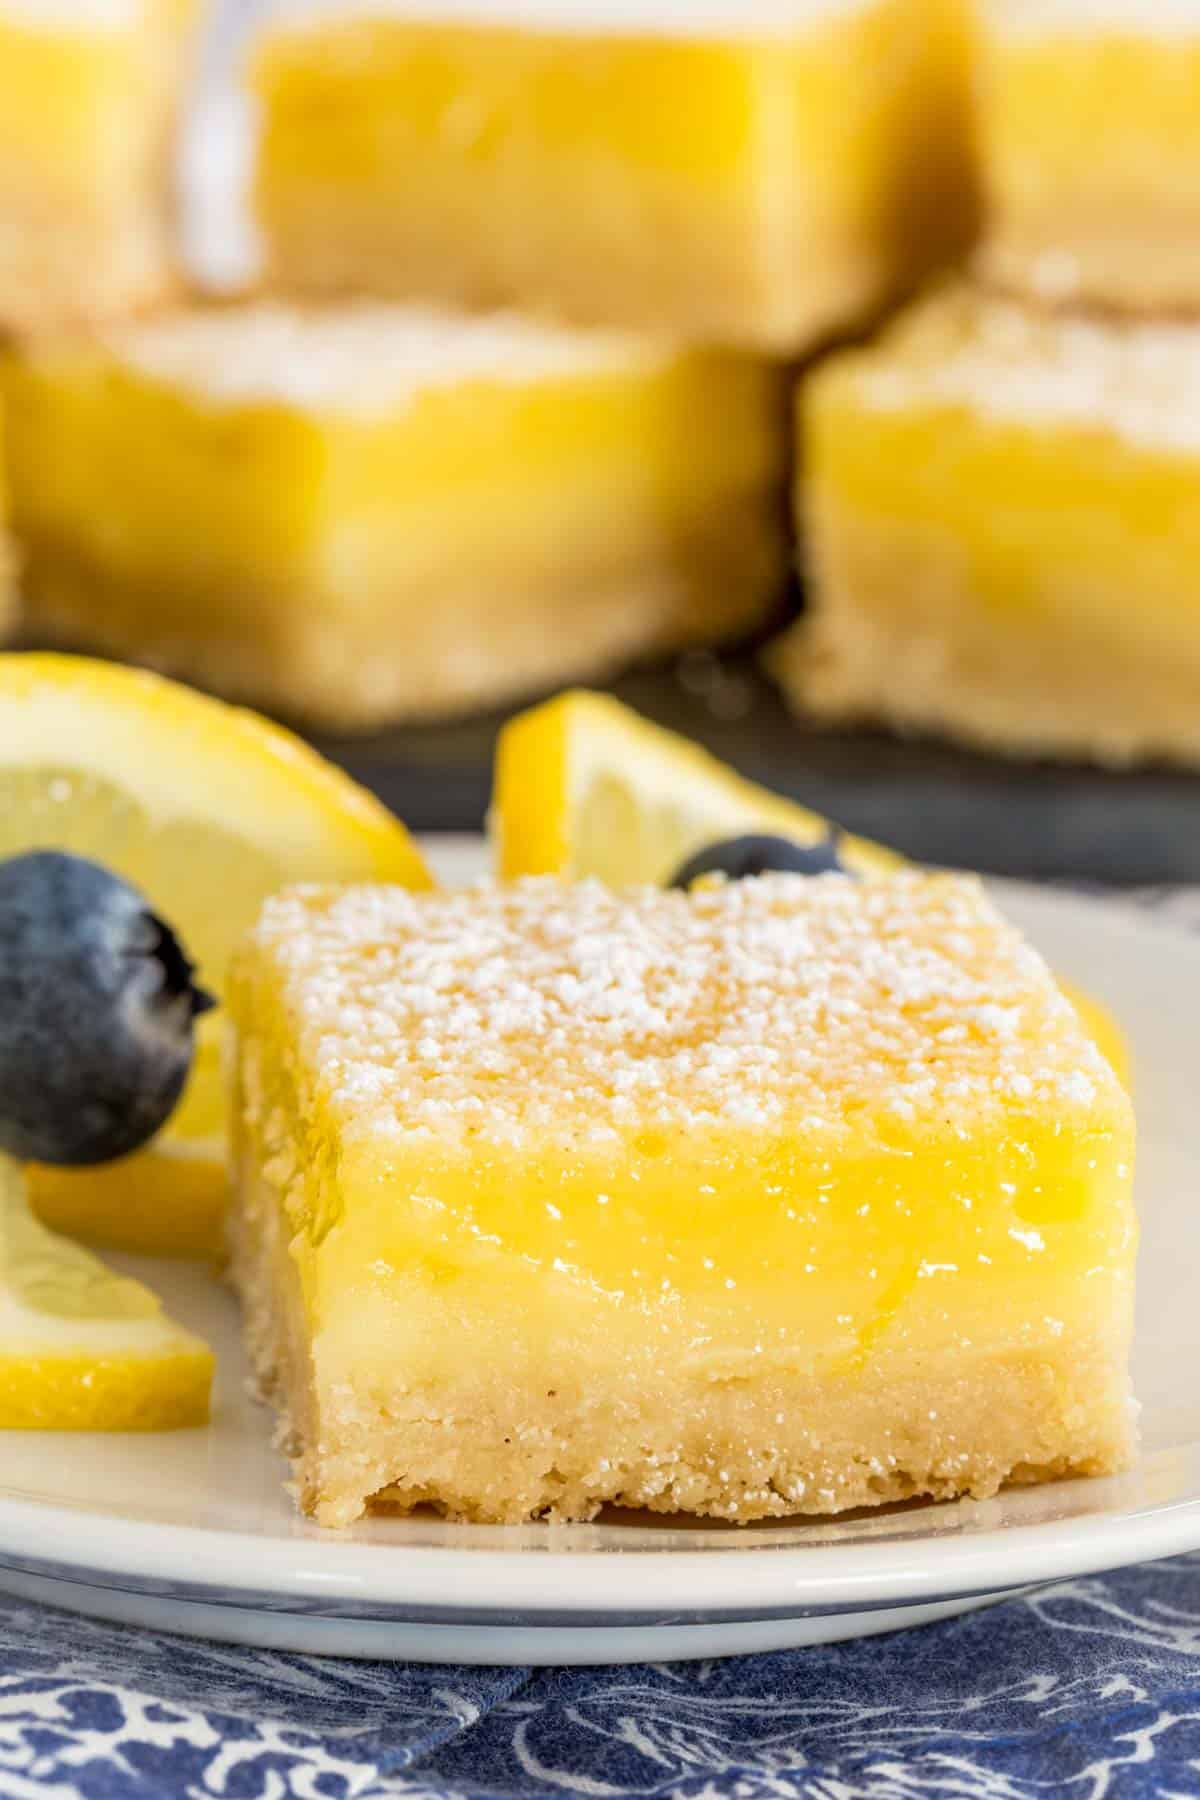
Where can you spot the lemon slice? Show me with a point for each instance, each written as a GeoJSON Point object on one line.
{"type": "Point", "coordinates": [206, 809]}
{"type": "Point", "coordinates": [82, 1349]}
{"type": "Point", "coordinates": [585, 787]}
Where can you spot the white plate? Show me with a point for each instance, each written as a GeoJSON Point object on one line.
{"type": "Point", "coordinates": [193, 1532]}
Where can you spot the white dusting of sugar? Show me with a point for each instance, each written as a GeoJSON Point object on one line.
{"type": "Point", "coordinates": [74, 15]}
{"type": "Point", "coordinates": [658, 18]}
{"type": "Point", "coordinates": [572, 1015]}
{"type": "Point", "coordinates": [364, 358]}
{"type": "Point", "coordinates": [1032, 19]}
{"type": "Point", "coordinates": [1139, 381]}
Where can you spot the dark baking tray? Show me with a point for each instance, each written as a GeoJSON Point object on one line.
{"type": "Point", "coordinates": [932, 801]}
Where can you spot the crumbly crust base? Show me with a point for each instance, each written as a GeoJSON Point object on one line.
{"type": "Point", "coordinates": [894, 640]}
{"type": "Point", "coordinates": [737, 306]}
{"type": "Point", "coordinates": [500, 1450]}
{"type": "Point", "coordinates": [353, 661]}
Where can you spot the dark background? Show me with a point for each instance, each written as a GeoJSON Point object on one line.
{"type": "Point", "coordinates": [931, 801]}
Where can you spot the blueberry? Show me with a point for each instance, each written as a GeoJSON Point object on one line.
{"type": "Point", "coordinates": [741, 857]}
{"type": "Point", "coordinates": [96, 1010]}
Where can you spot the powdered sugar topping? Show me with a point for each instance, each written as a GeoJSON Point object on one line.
{"type": "Point", "coordinates": [1136, 18]}
{"type": "Point", "coordinates": [1140, 381]}
{"type": "Point", "coordinates": [75, 15]}
{"type": "Point", "coordinates": [363, 358]}
{"type": "Point", "coordinates": [573, 1015]}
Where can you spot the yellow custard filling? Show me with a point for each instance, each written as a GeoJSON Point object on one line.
{"type": "Point", "coordinates": [378, 511]}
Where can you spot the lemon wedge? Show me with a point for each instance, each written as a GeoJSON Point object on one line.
{"type": "Point", "coordinates": [586, 787]}
{"type": "Point", "coordinates": [206, 809]}
{"type": "Point", "coordinates": [82, 1349]}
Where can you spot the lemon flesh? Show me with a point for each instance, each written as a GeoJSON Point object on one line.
{"type": "Point", "coordinates": [82, 1349]}
{"type": "Point", "coordinates": [206, 809]}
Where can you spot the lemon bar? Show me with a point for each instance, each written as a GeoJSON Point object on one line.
{"type": "Point", "coordinates": [776, 1197]}
{"type": "Point", "coordinates": [89, 95]}
{"type": "Point", "coordinates": [377, 512]}
{"type": "Point", "coordinates": [1089, 124]}
{"type": "Point", "coordinates": [751, 172]}
{"type": "Point", "coordinates": [1000, 513]}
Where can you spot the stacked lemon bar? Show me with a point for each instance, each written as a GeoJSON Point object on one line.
{"type": "Point", "coordinates": [514, 423]}
{"type": "Point", "coordinates": [999, 494]}
{"type": "Point", "coordinates": [378, 511]}
{"type": "Point", "coordinates": [89, 94]}
{"type": "Point", "coordinates": [1000, 528]}
{"type": "Point", "coordinates": [1090, 124]}
{"type": "Point", "coordinates": [758, 172]}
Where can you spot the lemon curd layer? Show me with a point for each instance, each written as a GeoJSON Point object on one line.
{"type": "Point", "coordinates": [375, 511]}
{"type": "Point", "coordinates": [88, 100]}
{"type": "Point", "coordinates": [785, 1196]}
{"type": "Point", "coordinates": [757, 175]}
{"type": "Point", "coordinates": [1089, 120]}
{"type": "Point", "coordinates": [1000, 516]}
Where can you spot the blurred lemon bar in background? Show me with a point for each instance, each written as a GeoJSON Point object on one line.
{"type": "Point", "coordinates": [90, 91]}
{"type": "Point", "coordinates": [375, 513]}
{"type": "Point", "coordinates": [1089, 121]}
{"type": "Point", "coordinates": [1001, 521]}
{"type": "Point", "coordinates": [529, 1221]}
{"type": "Point", "coordinates": [749, 172]}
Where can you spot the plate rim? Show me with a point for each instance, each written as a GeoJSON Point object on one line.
{"type": "Point", "coordinates": [230, 1567]}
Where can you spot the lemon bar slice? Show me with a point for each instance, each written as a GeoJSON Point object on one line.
{"type": "Point", "coordinates": [1089, 121]}
{"type": "Point", "coordinates": [89, 94]}
{"type": "Point", "coordinates": [82, 1349]}
{"type": "Point", "coordinates": [784, 1196]}
{"type": "Point", "coordinates": [747, 173]}
{"type": "Point", "coordinates": [376, 512]}
{"type": "Point", "coordinates": [1000, 516]}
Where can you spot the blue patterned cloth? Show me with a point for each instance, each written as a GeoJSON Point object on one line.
{"type": "Point", "coordinates": [1089, 1690]}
